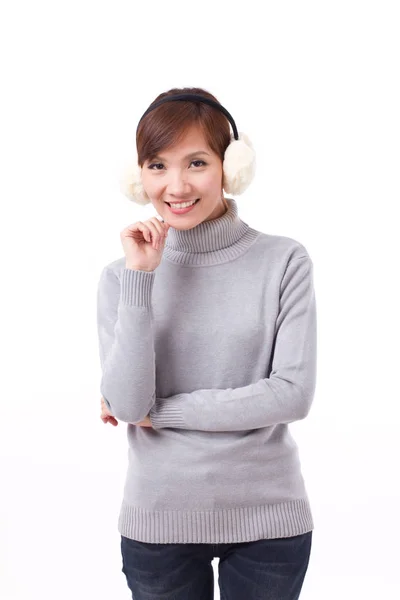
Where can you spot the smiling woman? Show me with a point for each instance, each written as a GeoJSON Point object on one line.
{"type": "Point", "coordinates": [212, 338]}
{"type": "Point", "coordinates": [187, 158]}
{"type": "Point", "coordinates": [187, 178]}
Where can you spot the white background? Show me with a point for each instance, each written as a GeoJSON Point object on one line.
{"type": "Point", "coordinates": [315, 85]}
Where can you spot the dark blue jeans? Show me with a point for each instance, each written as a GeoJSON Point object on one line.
{"type": "Point", "coordinates": [271, 569]}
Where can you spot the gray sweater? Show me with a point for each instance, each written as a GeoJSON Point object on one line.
{"type": "Point", "coordinates": [218, 345]}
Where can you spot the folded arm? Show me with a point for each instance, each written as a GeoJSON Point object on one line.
{"type": "Point", "coordinates": [285, 396]}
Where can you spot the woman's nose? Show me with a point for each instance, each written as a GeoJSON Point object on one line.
{"type": "Point", "coordinates": [178, 182]}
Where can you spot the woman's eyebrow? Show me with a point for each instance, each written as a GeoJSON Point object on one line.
{"type": "Point", "coordinates": [187, 156]}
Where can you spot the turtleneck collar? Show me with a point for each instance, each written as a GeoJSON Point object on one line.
{"type": "Point", "coordinates": [210, 242]}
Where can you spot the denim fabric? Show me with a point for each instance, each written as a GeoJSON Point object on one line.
{"type": "Point", "coordinates": [267, 569]}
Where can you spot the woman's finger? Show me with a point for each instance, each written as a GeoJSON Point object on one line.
{"type": "Point", "coordinates": [109, 419]}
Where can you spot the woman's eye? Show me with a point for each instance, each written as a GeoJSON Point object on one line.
{"type": "Point", "coordinates": [202, 163]}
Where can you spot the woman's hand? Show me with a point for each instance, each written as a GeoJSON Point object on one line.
{"type": "Point", "coordinates": [143, 243]}
{"type": "Point", "coordinates": [107, 417]}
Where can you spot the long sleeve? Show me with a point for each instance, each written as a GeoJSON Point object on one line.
{"type": "Point", "coordinates": [126, 342]}
{"type": "Point", "coordinates": [285, 396]}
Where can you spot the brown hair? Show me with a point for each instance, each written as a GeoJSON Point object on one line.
{"type": "Point", "coordinates": [167, 124]}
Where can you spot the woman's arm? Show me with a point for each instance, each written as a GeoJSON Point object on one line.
{"type": "Point", "coordinates": [285, 396]}
{"type": "Point", "coordinates": [126, 342]}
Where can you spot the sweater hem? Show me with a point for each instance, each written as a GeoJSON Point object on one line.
{"type": "Point", "coordinates": [218, 526]}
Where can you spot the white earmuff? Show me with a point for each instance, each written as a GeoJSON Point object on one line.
{"type": "Point", "coordinates": [131, 184]}
{"type": "Point", "coordinates": [239, 165]}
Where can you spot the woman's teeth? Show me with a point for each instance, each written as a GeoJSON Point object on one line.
{"type": "Point", "coordinates": [184, 204]}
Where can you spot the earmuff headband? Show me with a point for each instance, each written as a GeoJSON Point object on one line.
{"type": "Point", "coordinates": [193, 98]}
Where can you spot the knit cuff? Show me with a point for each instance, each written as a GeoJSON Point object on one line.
{"type": "Point", "coordinates": [167, 412]}
{"type": "Point", "coordinates": [137, 287]}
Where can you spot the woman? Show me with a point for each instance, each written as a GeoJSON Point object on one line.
{"type": "Point", "coordinates": [207, 331]}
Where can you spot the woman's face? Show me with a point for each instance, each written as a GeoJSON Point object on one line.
{"type": "Point", "coordinates": [183, 173]}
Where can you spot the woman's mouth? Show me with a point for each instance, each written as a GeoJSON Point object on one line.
{"type": "Point", "coordinates": [181, 211]}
